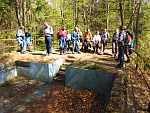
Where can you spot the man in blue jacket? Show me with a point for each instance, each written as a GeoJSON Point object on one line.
{"type": "Point", "coordinates": [75, 37]}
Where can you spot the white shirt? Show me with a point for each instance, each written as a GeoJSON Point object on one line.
{"type": "Point", "coordinates": [97, 38]}
{"type": "Point", "coordinates": [68, 36]}
{"type": "Point", "coordinates": [48, 30]}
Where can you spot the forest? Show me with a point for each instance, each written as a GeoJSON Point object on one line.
{"type": "Point", "coordinates": [95, 15]}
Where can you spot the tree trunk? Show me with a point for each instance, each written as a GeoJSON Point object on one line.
{"type": "Point", "coordinates": [17, 12]}
{"type": "Point", "coordinates": [121, 10]}
{"type": "Point", "coordinates": [137, 22]}
{"type": "Point", "coordinates": [107, 13]}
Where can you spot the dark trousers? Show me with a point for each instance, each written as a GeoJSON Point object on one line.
{"type": "Point", "coordinates": [104, 44]}
{"type": "Point", "coordinates": [68, 44]}
{"type": "Point", "coordinates": [121, 55]}
{"type": "Point", "coordinates": [62, 44]}
{"type": "Point", "coordinates": [86, 45]}
{"type": "Point", "coordinates": [95, 47]}
{"type": "Point", "coordinates": [114, 48]}
{"type": "Point", "coordinates": [48, 43]}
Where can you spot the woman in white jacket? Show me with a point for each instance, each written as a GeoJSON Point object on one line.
{"type": "Point", "coordinates": [96, 42]}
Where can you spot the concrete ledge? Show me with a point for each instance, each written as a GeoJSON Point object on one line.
{"type": "Point", "coordinates": [99, 82]}
{"type": "Point", "coordinates": [7, 74]}
{"type": "Point", "coordinates": [39, 71]}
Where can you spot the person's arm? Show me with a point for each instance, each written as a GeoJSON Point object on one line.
{"type": "Point", "coordinates": [51, 31]}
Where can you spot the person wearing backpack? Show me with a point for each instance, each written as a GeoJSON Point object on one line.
{"type": "Point", "coordinates": [48, 32]}
{"type": "Point", "coordinates": [115, 43]}
{"type": "Point", "coordinates": [121, 46]}
{"type": "Point", "coordinates": [104, 41]}
{"type": "Point", "coordinates": [128, 46]}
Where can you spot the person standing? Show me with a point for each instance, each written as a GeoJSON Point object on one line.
{"type": "Point", "coordinates": [28, 36]}
{"type": "Point", "coordinates": [104, 41]}
{"type": "Point", "coordinates": [128, 45]}
{"type": "Point", "coordinates": [87, 40]}
{"type": "Point", "coordinates": [115, 43]}
{"type": "Point", "coordinates": [48, 32]}
{"type": "Point", "coordinates": [62, 40]}
{"type": "Point", "coordinates": [75, 37]}
{"type": "Point", "coordinates": [68, 41]}
{"type": "Point", "coordinates": [96, 42]}
{"type": "Point", "coordinates": [20, 36]}
{"type": "Point", "coordinates": [121, 45]}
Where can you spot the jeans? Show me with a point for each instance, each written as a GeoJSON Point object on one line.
{"type": "Point", "coordinates": [76, 46]}
{"type": "Point", "coordinates": [22, 43]}
{"type": "Point", "coordinates": [104, 44]}
{"type": "Point", "coordinates": [62, 44]}
{"type": "Point", "coordinates": [114, 48]}
{"type": "Point", "coordinates": [28, 40]}
{"type": "Point", "coordinates": [48, 43]}
{"type": "Point", "coordinates": [121, 55]}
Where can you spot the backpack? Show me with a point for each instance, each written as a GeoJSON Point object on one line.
{"type": "Point", "coordinates": [122, 40]}
{"type": "Point", "coordinates": [105, 36]}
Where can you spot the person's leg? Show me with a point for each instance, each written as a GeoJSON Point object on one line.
{"type": "Point", "coordinates": [97, 46]}
{"type": "Point", "coordinates": [102, 47]}
{"type": "Point", "coordinates": [78, 46]}
{"type": "Point", "coordinates": [85, 46]}
{"type": "Point", "coordinates": [67, 45]}
{"type": "Point", "coordinates": [121, 59]}
{"type": "Point", "coordinates": [113, 48]}
{"type": "Point", "coordinates": [88, 46]}
{"type": "Point", "coordinates": [74, 45]}
{"type": "Point", "coordinates": [116, 49]}
{"type": "Point", "coordinates": [127, 54]}
{"type": "Point", "coordinates": [47, 45]}
{"type": "Point", "coordinates": [20, 42]}
{"type": "Point", "coordinates": [61, 45]}
{"type": "Point", "coordinates": [24, 45]}
{"type": "Point", "coordinates": [64, 46]}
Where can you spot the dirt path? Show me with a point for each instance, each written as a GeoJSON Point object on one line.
{"type": "Point", "coordinates": [118, 101]}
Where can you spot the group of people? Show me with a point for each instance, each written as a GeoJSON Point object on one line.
{"type": "Point", "coordinates": [70, 41]}
{"type": "Point", "coordinates": [122, 44]}
{"type": "Point", "coordinates": [24, 39]}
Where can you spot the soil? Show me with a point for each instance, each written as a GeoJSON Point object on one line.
{"type": "Point", "coordinates": [21, 95]}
